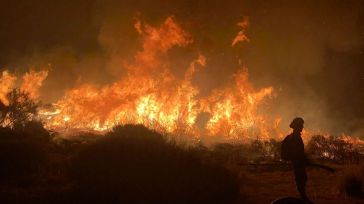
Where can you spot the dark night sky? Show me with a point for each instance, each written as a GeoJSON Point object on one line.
{"type": "Point", "coordinates": [310, 51]}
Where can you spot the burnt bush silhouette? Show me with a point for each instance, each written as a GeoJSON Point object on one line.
{"type": "Point", "coordinates": [23, 140]}
{"type": "Point", "coordinates": [133, 164]}
{"type": "Point", "coordinates": [19, 110]}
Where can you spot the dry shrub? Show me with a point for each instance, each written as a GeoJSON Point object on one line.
{"type": "Point", "coordinates": [255, 152]}
{"type": "Point", "coordinates": [133, 164]}
{"type": "Point", "coordinates": [333, 149]}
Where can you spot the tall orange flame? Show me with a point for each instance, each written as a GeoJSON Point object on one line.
{"type": "Point", "coordinates": [7, 82]}
{"type": "Point", "coordinates": [150, 94]}
{"type": "Point", "coordinates": [32, 81]}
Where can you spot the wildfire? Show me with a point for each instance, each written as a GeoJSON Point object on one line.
{"type": "Point", "coordinates": [31, 82]}
{"type": "Point", "coordinates": [7, 82]}
{"type": "Point", "coordinates": [152, 95]}
{"type": "Point", "coordinates": [241, 36]}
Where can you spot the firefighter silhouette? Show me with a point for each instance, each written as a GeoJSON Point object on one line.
{"type": "Point", "coordinates": [293, 150]}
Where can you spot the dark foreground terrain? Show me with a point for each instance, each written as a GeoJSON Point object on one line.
{"type": "Point", "coordinates": [132, 164]}
{"type": "Point", "coordinates": [265, 186]}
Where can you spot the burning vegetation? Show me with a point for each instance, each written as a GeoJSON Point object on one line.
{"type": "Point", "coordinates": [150, 94]}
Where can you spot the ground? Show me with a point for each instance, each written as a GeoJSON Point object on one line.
{"type": "Point", "coordinates": [263, 185]}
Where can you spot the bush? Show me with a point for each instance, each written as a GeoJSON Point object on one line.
{"type": "Point", "coordinates": [22, 153]}
{"type": "Point", "coordinates": [254, 152]}
{"type": "Point", "coordinates": [20, 110]}
{"type": "Point", "coordinates": [133, 164]}
{"type": "Point", "coordinates": [23, 140]}
{"type": "Point", "coordinates": [333, 149]}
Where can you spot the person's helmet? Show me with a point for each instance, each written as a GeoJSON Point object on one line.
{"type": "Point", "coordinates": [297, 122]}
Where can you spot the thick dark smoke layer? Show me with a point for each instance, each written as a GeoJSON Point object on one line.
{"type": "Point", "coordinates": [311, 52]}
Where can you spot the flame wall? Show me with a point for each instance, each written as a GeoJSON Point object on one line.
{"type": "Point", "coordinates": [309, 51]}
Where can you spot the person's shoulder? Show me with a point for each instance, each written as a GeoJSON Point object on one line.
{"type": "Point", "coordinates": [292, 139]}
{"type": "Point", "coordinates": [289, 136]}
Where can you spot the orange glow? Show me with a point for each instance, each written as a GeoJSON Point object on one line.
{"type": "Point", "coordinates": [241, 36]}
{"type": "Point", "coordinates": [152, 95]}
{"type": "Point", "coordinates": [32, 81]}
{"type": "Point", "coordinates": [7, 82]}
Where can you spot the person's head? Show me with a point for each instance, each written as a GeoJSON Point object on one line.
{"type": "Point", "coordinates": [297, 124]}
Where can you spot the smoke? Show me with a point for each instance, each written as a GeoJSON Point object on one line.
{"type": "Point", "coordinates": [295, 47]}
{"type": "Point", "coordinates": [309, 51]}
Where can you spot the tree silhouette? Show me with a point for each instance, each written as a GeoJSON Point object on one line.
{"type": "Point", "coordinates": [21, 109]}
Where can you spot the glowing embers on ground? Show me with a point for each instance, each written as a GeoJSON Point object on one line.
{"type": "Point", "coordinates": [151, 95]}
